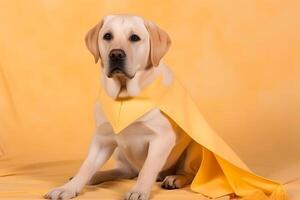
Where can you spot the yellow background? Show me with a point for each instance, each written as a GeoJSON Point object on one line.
{"type": "Point", "coordinates": [242, 56]}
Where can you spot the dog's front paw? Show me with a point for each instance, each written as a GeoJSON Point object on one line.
{"type": "Point", "coordinates": [136, 195]}
{"type": "Point", "coordinates": [61, 193]}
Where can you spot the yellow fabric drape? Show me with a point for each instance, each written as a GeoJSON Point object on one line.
{"type": "Point", "coordinates": [242, 62]}
{"type": "Point", "coordinates": [229, 174]}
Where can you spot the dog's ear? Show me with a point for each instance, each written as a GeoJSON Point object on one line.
{"type": "Point", "coordinates": [91, 40]}
{"type": "Point", "coordinates": [159, 42]}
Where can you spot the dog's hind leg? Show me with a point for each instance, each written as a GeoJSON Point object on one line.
{"type": "Point", "coordinates": [123, 170]}
{"type": "Point", "coordinates": [109, 175]}
{"type": "Point", "coordinates": [187, 168]}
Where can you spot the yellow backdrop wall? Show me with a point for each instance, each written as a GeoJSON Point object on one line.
{"type": "Point", "coordinates": [245, 55]}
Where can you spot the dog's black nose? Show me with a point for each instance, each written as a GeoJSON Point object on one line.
{"type": "Point", "coordinates": [117, 59]}
{"type": "Point", "coordinates": [117, 54]}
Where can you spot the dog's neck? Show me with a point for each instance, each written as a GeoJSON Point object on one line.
{"type": "Point", "coordinates": [141, 80]}
{"type": "Point", "coordinates": [122, 88]}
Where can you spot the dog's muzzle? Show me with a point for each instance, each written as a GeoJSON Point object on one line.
{"type": "Point", "coordinates": [117, 59]}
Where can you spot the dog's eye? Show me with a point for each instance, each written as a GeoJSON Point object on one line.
{"type": "Point", "coordinates": [134, 38]}
{"type": "Point", "coordinates": [107, 36]}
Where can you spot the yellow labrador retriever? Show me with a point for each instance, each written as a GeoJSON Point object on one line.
{"type": "Point", "coordinates": [131, 49]}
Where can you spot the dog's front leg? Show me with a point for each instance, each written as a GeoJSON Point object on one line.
{"type": "Point", "coordinates": [101, 149]}
{"type": "Point", "coordinates": [160, 147]}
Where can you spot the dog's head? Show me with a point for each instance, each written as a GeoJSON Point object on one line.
{"type": "Point", "coordinates": [127, 47]}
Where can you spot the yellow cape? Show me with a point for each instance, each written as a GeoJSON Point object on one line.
{"type": "Point", "coordinates": [222, 172]}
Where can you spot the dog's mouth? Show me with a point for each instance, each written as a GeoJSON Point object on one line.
{"type": "Point", "coordinates": [119, 73]}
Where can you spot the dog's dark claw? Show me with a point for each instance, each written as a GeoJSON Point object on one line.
{"type": "Point", "coordinates": [168, 186]}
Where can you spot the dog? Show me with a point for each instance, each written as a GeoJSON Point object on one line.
{"type": "Point", "coordinates": [131, 50]}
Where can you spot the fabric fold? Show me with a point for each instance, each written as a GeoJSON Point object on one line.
{"type": "Point", "coordinates": [222, 171]}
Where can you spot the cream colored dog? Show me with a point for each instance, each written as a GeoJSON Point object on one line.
{"type": "Point", "coordinates": [131, 50]}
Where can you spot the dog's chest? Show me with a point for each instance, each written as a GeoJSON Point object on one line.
{"type": "Point", "coordinates": [133, 142]}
